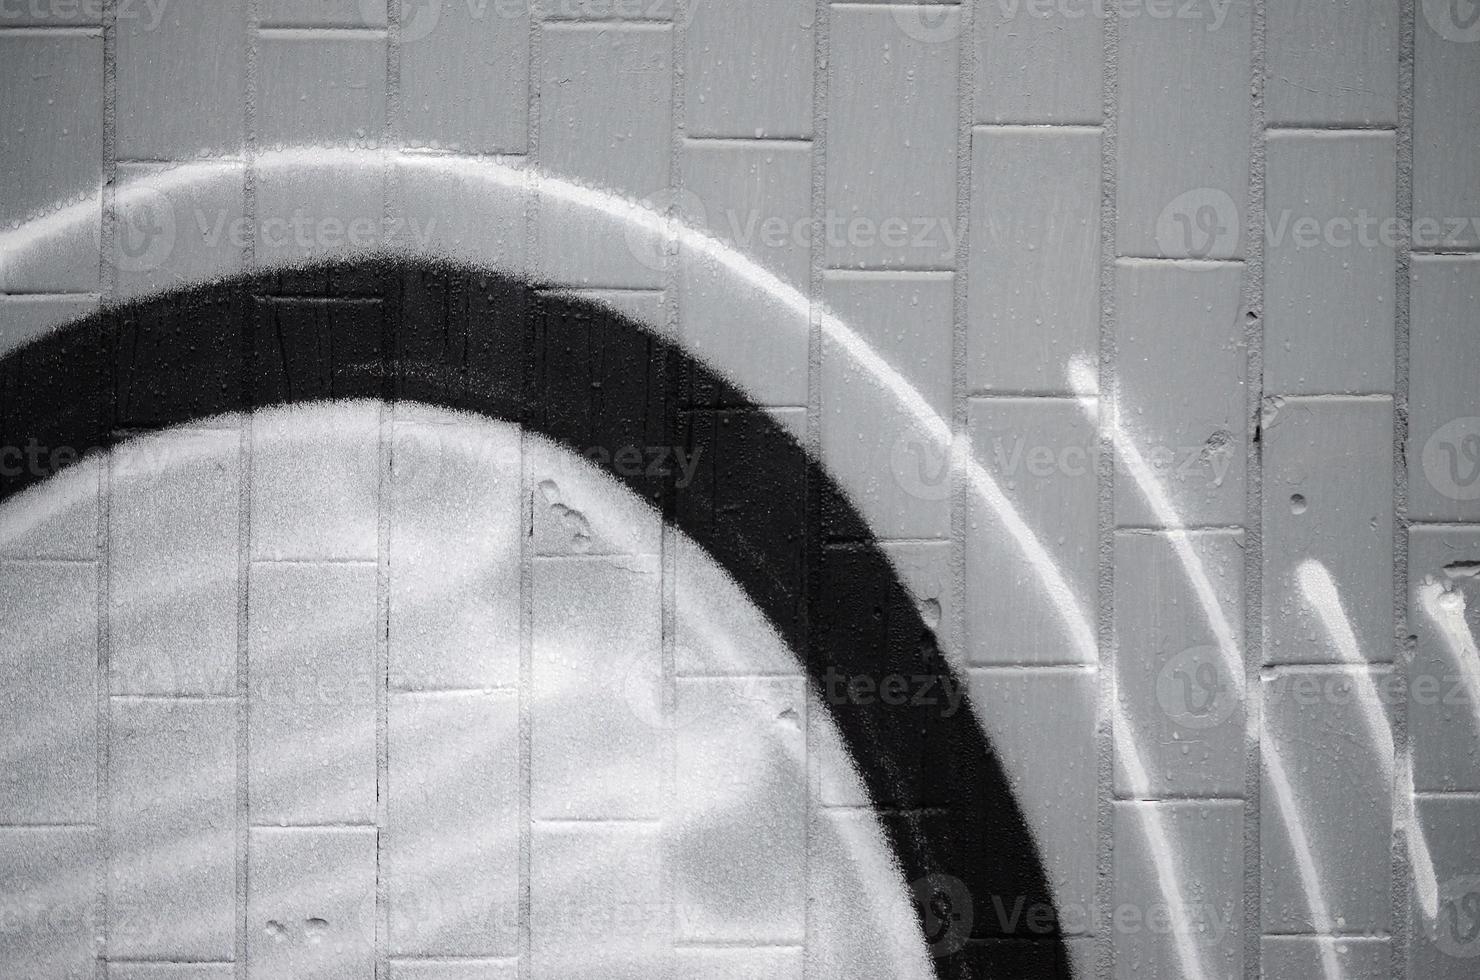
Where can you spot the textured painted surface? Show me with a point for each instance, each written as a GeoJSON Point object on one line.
{"type": "Point", "coordinates": [1203, 126]}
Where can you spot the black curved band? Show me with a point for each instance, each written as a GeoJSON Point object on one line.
{"type": "Point", "coordinates": [479, 341]}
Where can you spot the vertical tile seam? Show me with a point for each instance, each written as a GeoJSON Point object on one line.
{"type": "Point", "coordinates": [252, 15]}
{"type": "Point", "coordinates": [384, 514]}
{"type": "Point", "coordinates": [1105, 501]}
{"type": "Point", "coordinates": [812, 571]}
{"type": "Point", "coordinates": [523, 900]}
{"type": "Point", "coordinates": [1253, 619]}
{"type": "Point", "coordinates": [107, 285]}
{"type": "Point", "coordinates": [1404, 806]}
{"type": "Point", "coordinates": [667, 538]}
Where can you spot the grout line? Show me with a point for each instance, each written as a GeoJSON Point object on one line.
{"type": "Point", "coordinates": [1107, 386]}
{"type": "Point", "coordinates": [39, 30]}
{"type": "Point", "coordinates": [1334, 129]}
{"type": "Point", "coordinates": [1253, 540]}
{"type": "Point", "coordinates": [1403, 806]}
{"type": "Point", "coordinates": [322, 33]}
{"type": "Point", "coordinates": [107, 286]}
{"type": "Point", "coordinates": [812, 560]}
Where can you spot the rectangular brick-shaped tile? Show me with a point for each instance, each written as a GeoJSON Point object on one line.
{"type": "Point", "coordinates": [1183, 143]}
{"type": "Point", "coordinates": [755, 197]}
{"type": "Point", "coordinates": [1330, 263]}
{"type": "Point", "coordinates": [172, 829]}
{"type": "Point", "coordinates": [194, 233]}
{"type": "Point", "coordinates": [1332, 63]}
{"type": "Point", "coordinates": [1042, 725]}
{"type": "Point", "coordinates": [925, 569]}
{"type": "Point", "coordinates": [1181, 413]}
{"type": "Point", "coordinates": [481, 969]}
{"type": "Point", "coordinates": [741, 802]}
{"type": "Point", "coordinates": [49, 901]}
{"type": "Point", "coordinates": [173, 521]}
{"type": "Point", "coordinates": [1443, 421]}
{"type": "Point", "coordinates": [573, 514]}
{"type": "Point", "coordinates": [1302, 957]}
{"type": "Point", "coordinates": [1446, 128]}
{"type": "Point", "coordinates": [891, 193]}
{"type": "Point", "coordinates": [605, 121]}
{"type": "Point", "coordinates": [25, 318]}
{"type": "Point", "coordinates": [325, 13]}
{"type": "Point", "coordinates": [757, 962]}
{"type": "Point", "coordinates": [1328, 539]}
{"type": "Point", "coordinates": [717, 629]}
{"type": "Point", "coordinates": [1178, 694]}
{"type": "Point", "coordinates": [1041, 453]}
{"type": "Point", "coordinates": [316, 481]}
{"type": "Point", "coordinates": [597, 710]}
{"type": "Point", "coordinates": [488, 42]}
{"type": "Point", "coordinates": [48, 692]}
{"type": "Point", "coordinates": [311, 908]}
{"type": "Point", "coordinates": [478, 223]}
{"type": "Point", "coordinates": [51, 90]}
{"type": "Point", "coordinates": [1443, 683]}
{"type": "Point", "coordinates": [171, 971]}
{"type": "Point", "coordinates": [321, 88]}
{"type": "Point", "coordinates": [1178, 895]}
{"type": "Point", "coordinates": [1446, 910]}
{"type": "Point", "coordinates": [60, 524]}
{"type": "Point", "coordinates": [596, 890]}
{"type": "Point", "coordinates": [173, 106]}
{"type": "Point", "coordinates": [453, 595]}
{"type": "Point", "coordinates": [451, 850]}
{"type": "Point", "coordinates": [1327, 749]}
{"type": "Point", "coordinates": [748, 71]}
{"type": "Point", "coordinates": [1034, 287]}
{"type": "Point", "coordinates": [312, 214]}
{"type": "Point", "coordinates": [311, 647]}
{"type": "Point", "coordinates": [898, 480]}
{"type": "Point", "coordinates": [1039, 63]}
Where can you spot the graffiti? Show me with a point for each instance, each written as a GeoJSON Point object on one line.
{"type": "Point", "coordinates": [746, 493]}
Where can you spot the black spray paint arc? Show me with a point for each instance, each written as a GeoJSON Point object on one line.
{"type": "Point", "coordinates": [595, 381]}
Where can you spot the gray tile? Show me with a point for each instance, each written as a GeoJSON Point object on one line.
{"type": "Point", "coordinates": [891, 191]}
{"type": "Point", "coordinates": [450, 850]}
{"type": "Point", "coordinates": [311, 643]}
{"type": "Point", "coordinates": [1328, 530]}
{"type": "Point", "coordinates": [1443, 423]}
{"type": "Point", "coordinates": [181, 79]}
{"type": "Point", "coordinates": [1446, 127]}
{"type": "Point", "coordinates": [749, 69]}
{"type": "Point", "coordinates": [1330, 283]}
{"type": "Point", "coordinates": [1038, 62]}
{"type": "Point", "coordinates": [1182, 702]}
{"type": "Point", "coordinates": [311, 903]}
{"type": "Point", "coordinates": [192, 234]}
{"type": "Point", "coordinates": [504, 969]}
{"type": "Point", "coordinates": [173, 521]}
{"type": "Point", "coordinates": [485, 43]}
{"type": "Point", "coordinates": [1197, 928]}
{"type": "Point", "coordinates": [1332, 63]}
{"type": "Point", "coordinates": [1444, 947]}
{"type": "Point", "coordinates": [1042, 725]}
{"type": "Point", "coordinates": [1302, 957]}
{"type": "Point", "coordinates": [1181, 369]}
{"type": "Point", "coordinates": [1328, 746]}
{"type": "Point", "coordinates": [25, 318]}
{"type": "Point", "coordinates": [1041, 453]}
{"type": "Point", "coordinates": [172, 830]}
{"type": "Point", "coordinates": [324, 13]}
{"type": "Point", "coordinates": [48, 692]}
{"type": "Point", "coordinates": [321, 89]}
{"type": "Point", "coordinates": [49, 899]}
{"type": "Point", "coordinates": [1183, 140]}
{"type": "Point", "coordinates": [1034, 285]}
{"type": "Point", "coordinates": [1443, 693]}
{"type": "Point", "coordinates": [907, 319]}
